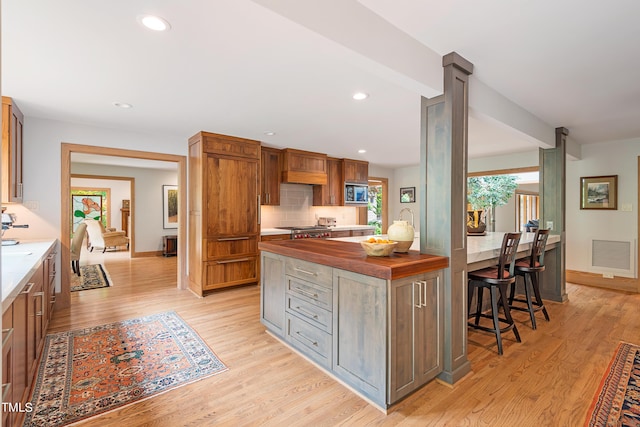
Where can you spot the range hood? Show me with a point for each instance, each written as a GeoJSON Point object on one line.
{"type": "Point", "coordinates": [304, 167]}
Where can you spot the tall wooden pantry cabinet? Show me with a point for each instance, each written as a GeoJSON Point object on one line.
{"type": "Point", "coordinates": [224, 211]}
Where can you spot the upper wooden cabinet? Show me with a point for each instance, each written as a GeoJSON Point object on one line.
{"type": "Point", "coordinates": [224, 212]}
{"type": "Point", "coordinates": [304, 167]}
{"type": "Point", "coordinates": [331, 193]}
{"type": "Point", "coordinates": [356, 171]}
{"type": "Point", "coordinates": [12, 127]}
{"type": "Point", "coordinates": [271, 166]}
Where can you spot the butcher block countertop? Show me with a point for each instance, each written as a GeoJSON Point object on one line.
{"type": "Point", "coordinates": [351, 257]}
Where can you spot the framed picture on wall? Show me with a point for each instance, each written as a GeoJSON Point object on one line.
{"type": "Point", "coordinates": [170, 206]}
{"type": "Point", "coordinates": [599, 192]}
{"type": "Point", "coordinates": [407, 195]}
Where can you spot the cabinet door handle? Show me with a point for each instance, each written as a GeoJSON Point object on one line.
{"type": "Point", "coordinates": [305, 292]}
{"type": "Point", "coordinates": [5, 389]}
{"type": "Point", "coordinates": [424, 302]}
{"type": "Point", "coordinates": [41, 295]}
{"type": "Point", "coordinates": [419, 294]}
{"type": "Point", "coordinates": [5, 340]}
{"type": "Point", "coordinates": [300, 270]}
{"type": "Point", "coordinates": [306, 312]}
{"type": "Point", "coordinates": [229, 239]}
{"type": "Point", "coordinates": [314, 343]}
{"type": "Point", "coordinates": [31, 285]}
{"type": "Point", "coordinates": [230, 261]}
{"type": "Point", "coordinates": [259, 210]}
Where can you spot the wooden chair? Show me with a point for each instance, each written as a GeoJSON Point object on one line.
{"type": "Point", "coordinates": [497, 279]}
{"type": "Point", "coordinates": [76, 247]}
{"type": "Point", "coordinates": [529, 270]}
{"type": "Point", "coordinates": [101, 238]}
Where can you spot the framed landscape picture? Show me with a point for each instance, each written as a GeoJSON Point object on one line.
{"type": "Point", "coordinates": [599, 192]}
{"type": "Point", "coordinates": [170, 206]}
{"type": "Point", "coordinates": [407, 195]}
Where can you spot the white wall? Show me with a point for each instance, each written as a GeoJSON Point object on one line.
{"type": "Point", "coordinates": [405, 177]}
{"type": "Point", "coordinates": [613, 158]}
{"type": "Point", "coordinates": [42, 139]}
{"type": "Point", "coordinates": [148, 201]}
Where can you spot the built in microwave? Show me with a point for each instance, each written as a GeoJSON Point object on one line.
{"type": "Point", "coordinates": [355, 193]}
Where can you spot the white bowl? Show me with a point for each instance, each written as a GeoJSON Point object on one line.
{"type": "Point", "coordinates": [378, 249]}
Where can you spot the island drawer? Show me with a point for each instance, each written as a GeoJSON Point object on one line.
{"type": "Point", "coordinates": [310, 292]}
{"type": "Point", "coordinates": [310, 340]}
{"type": "Point", "coordinates": [310, 312]}
{"type": "Point", "coordinates": [320, 274]}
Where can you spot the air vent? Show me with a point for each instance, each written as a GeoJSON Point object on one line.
{"type": "Point", "coordinates": [613, 256]}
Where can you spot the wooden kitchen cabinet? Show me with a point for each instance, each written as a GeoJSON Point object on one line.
{"type": "Point", "coordinates": [223, 222]}
{"type": "Point", "coordinates": [272, 237]}
{"type": "Point", "coordinates": [382, 337]}
{"type": "Point", "coordinates": [303, 167]}
{"type": "Point", "coordinates": [360, 316]}
{"type": "Point", "coordinates": [49, 280]}
{"type": "Point", "coordinates": [416, 340]}
{"type": "Point", "coordinates": [272, 297]}
{"type": "Point", "coordinates": [12, 144]}
{"type": "Point", "coordinates": [270, 167]}
{"type": "Point", "coordinates": [331, 193]}
{"type": "Point", "coordinates": [7, 364]}
{"type": "Point", "coordinates": [355, 171]}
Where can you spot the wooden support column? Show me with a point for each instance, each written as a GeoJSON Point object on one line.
{"type": "Point", "coordinates": [552, 212]}
{"type": "Point", "coordinates": [443, 184]}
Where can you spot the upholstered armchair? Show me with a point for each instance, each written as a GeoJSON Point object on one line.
{"type": "Point", "coordinates": [101, 238]}
{"type": "Point", "coordinates": [76, 247]}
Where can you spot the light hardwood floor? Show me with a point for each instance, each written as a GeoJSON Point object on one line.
{"type": "Point", "coordinates": [547, 380]}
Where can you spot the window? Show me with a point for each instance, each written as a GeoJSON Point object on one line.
{"type": "Point", "coordinates": [527, 208]}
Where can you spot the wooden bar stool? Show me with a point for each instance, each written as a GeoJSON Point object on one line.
{"type": "Point", "coordinates": [529, 269]}
{"type": "Point", "coordinates": [497, 279]}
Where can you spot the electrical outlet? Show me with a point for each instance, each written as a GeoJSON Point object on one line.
{"type": "Point", "coordinates": [31, 205]}
{"type": "Point", "coordinates": [550, 225]}
{"type": "Point", "coordinates": [607, 275]}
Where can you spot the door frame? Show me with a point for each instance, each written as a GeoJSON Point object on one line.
{"type": "Point", "coordinates": [66, 149]}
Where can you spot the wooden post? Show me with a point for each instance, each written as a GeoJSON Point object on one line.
{"type": "Point", "coordinates": [443, 184]}
{"type": "Point", "coordinates": [552, 212]}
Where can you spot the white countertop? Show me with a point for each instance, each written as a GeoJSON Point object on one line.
{"type": "Point", "coordinates": [19, 262]}
{"type": "Point", "coordinates": [479, 248]}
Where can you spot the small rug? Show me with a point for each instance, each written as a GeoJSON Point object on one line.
{"type": "Point", "coordinates": [92, 276]}
{"type": "Point", "coordinates": [617, 402]}
{"type": "Point", "coordinates": [91, 371]}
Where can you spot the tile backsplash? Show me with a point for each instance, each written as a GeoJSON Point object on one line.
{"type": "Point", "coordinates": [296, 208]}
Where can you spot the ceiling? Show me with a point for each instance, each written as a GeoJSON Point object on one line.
{"type": "Point", "coordinates": [243, 67]}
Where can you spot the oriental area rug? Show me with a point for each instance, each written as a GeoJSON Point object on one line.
{"type": "Point", "coordinates": [87, 372]}
{"type": "Point", "coordinates": [617, 401]}
{"type": "Point", "coordinates": [92, 276]}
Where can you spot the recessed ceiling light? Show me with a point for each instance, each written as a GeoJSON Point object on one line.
{"type": "Point", "coordinates": [359, 96]}
{"type": "Point", "coordinates": [154, 23]}
{"type": "Point", "coordinates": [269, 132]}
{"type": "Point", "coordinates": [122, 105]}
{"type": "Point", "coordinates": [362, 151]}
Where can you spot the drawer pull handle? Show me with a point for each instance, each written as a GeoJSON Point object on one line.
{"type": "Point", "coordinates": [5, 340]}
{"type": "Point", "coordinates": [305, 292]}
{"type": "Point", "coordinates": [300, 270]}
{"type": "Point", "coordinates": [314, 343]}
{"type": "Point", "coordinates": [230, 239]}
{"type": "Point", "coordinates": [31, 285]}
{"type": "Point", "coordinates": [306, 312]}
{"type": "Point", "coordinates": [230, 261]}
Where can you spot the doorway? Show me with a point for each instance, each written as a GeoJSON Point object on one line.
{"type": "Point", "coordinates": [67, 150]}
{"type": "Point", "coordinates": [378, 206]}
